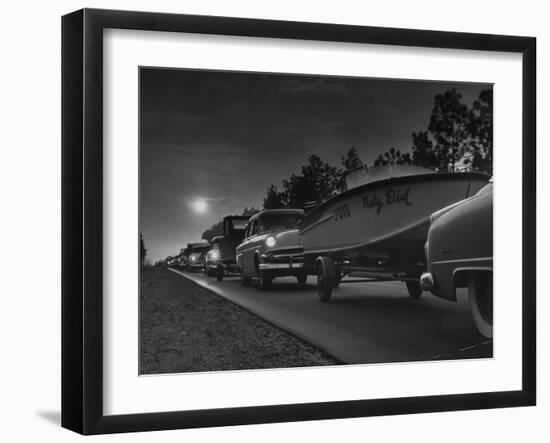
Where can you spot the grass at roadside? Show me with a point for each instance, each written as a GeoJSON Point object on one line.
{"type": "Point", "coordinates": [186, 328]}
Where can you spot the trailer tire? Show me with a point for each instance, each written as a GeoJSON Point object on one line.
{"type": "Point", "coordinates": [302, 278]}
{"type": "Point", "coordinates": [326, 278]}
{"type": "Point", "coordinates": [415, 291]}
{"type": "Point", "coordinates": [480, 295]}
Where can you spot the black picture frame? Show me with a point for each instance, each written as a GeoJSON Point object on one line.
{"type": "Point", "coordinates": [82, 215]}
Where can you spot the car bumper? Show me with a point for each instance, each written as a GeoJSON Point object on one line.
{"type": "Point", "coordinates": [281, 262]}
{"type": "Point", "coordinates": [446, 276]}
{"type": "Point", "coordinates": [264, 266]}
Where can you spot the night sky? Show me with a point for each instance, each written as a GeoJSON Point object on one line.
{"type": "Point", "coordinates": [222, 138]}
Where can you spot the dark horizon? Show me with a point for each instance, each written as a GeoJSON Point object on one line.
{"type": "Point", "coordinates": [211, 142]}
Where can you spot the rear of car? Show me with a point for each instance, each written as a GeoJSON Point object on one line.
{"type": "Point", "coordinates": [459, 254]}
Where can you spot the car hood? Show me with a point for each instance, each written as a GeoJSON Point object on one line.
{"type": "Point", "coordinates": [285, 239]}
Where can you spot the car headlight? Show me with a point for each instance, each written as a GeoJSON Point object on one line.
{"type": "Point", "coordinates": [270, 241]}
{"type": "Point", "coordinates": [214, 255]}
{"type": "Point", "coordinates": [192, 258]}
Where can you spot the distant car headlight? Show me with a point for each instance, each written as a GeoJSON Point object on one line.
{"type": "Point", "coordinates": [270, 241]}
{"type": "Point", "coordinates": [214, 255]}
{"type": "Point", "coordinates": [193, 258]}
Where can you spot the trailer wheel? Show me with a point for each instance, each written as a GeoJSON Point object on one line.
{"type": "Point", "coordinates": [265, 280]}
{"type": "Point", "coordinates": [480, 294]}
{"type": "Point", "coordinates": [219, 273]}
{"type": "Point", "coordinates": [245, 281]}
{"type": "Point", "coordinates": [326, 278]}
{"type": "Point", "coordinates": [415, 291]}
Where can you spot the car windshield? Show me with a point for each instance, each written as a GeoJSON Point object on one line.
{"type": "Point", "coordinates": [239, 224]}
{"type": "Point", "coordinates": [275, 222]}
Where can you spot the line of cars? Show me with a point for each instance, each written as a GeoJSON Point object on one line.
{"type": "Point", "coordinates": [431, 231]}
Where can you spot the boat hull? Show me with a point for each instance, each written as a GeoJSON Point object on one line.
{"type": "Point", "coordinates": [384, 222]}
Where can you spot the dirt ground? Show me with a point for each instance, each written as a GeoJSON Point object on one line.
{"type": "Point", "coordinates": [186, 328]}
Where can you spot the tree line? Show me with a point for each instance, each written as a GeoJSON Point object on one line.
{"type": "Point", "coordinates": [458, 138]}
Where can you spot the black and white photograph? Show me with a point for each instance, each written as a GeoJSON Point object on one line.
{"type": "Point", "coordinates": [274, 222]}
{"type": "Point", "coordinates": [291, 221]}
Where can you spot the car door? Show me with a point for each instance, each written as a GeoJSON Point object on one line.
{"type": "Point", "coordinates": [250, 249]}
{"type": "Point", "coordinates": [242, 249]}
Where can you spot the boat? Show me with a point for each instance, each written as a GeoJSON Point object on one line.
{"type": "Point", "coordinates": [383, 216]}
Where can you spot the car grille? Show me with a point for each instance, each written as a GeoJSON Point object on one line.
{"type": "Point", "coordinates": [287, 252]}
{"type": "Point", "coordinates": [294, 255]}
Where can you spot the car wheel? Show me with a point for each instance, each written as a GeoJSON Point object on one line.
{"type": "Point", "coordinates": [219, 273]}
{"type": "Point", "coordinates": [415, 291]}
{"type": "Point", "coordinates": [480, 294]}
{"type": "Point", "coordinates": [326, 278]}
{"type": "Point", "coordinates": [265, 280]}
{"type": "Point", "coordinates": [245, 281]}
{"type": "Point", "coordinates": [302, 278]}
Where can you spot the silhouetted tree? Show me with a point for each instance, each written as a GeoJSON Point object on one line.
{"type": "Point", "coordinates": [481, 127]}
{"type": "Point", "coordinates": [423, 153]}
{"type": "Point", "coordinates": [351, 161]}
{"type": "Point", "coordinates": [450, 130]}
{"type": "Point", "coordinates": [142, 249]}
{"type": "Point", "coordinates": [274, 198]}
{"type": "Point", "coordinates": [215, 229]}
{"type": "Point", "coordinates": [393, 157]}
{"type": "Point", "coordinates": [250, 211]}
{"type": "Point", "coordinates": [318, 182]}
{"type": "Point", "coordinates": [456, 138]}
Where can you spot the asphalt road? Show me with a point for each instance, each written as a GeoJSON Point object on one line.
{"type": "Point", "coordinates": [370, 322]}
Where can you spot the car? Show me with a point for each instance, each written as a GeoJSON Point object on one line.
{"type": "Point", "coordinates": [181, 261]}
{"type": "Point", "coordinates": [459, 254]}
{"type": "Point", "coordinates": [271, 248]}
{"type": "Point", "coordinates": [170, 261]}
{"type": "Point", "coordinates": [197, 255]}
{"type": "Point", "coordinates": [221, 259]}
{"type": "Point", "coordinates": [212, 256]}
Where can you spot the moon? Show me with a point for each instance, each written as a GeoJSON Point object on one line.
{"type": "Point", "coordinates": [199, 205]}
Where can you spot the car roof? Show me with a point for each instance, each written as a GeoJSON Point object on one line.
{"type": "Point", "coordinates": [197, 244]}
{"type": "Point", "coordinates": [237, 217]}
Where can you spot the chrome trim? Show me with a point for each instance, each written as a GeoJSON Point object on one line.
{"type": "Point", "coordinates": [281, 265]}
{"type": "Point", "coordinates": [427, 281]}
{"type": "Point", "coordinates": [289, 257]}
{"type": "Point", "coordinates": [461, 260]}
